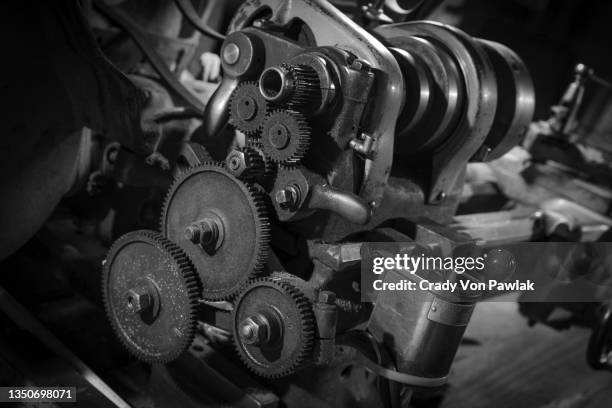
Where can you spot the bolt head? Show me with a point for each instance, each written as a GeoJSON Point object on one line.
{"type": "Point", "coordinates": [192, 233]}
{"type": "Point", "coordinates": [138, 301]}
{"type": "Point", "coordinates": [252, 331]}
{"type": "Point", "coordinates": [231, 53]}
{"type": "Point", "coordinates": [236, 163]}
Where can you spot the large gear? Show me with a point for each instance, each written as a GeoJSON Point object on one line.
{"type": "Point", "coordinates": [285, 136]}
{"type": "Point", "coordinates": [248, 108]}
{"type": "Point", "coordinates": [221, 223]}
{"type": "Point", "coordinates": [151, 292]}
{"type": "Point", "coordinates": [273, 327]}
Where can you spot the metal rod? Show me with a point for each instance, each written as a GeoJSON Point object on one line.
{"type": "Point", "coordinates": [26, 321]}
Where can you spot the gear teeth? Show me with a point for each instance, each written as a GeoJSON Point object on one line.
{"type": "Point", "coordinates": [191, 284]}
{"type": "Point", "coordinates": [306, 85]}
{"type": "Point", "coordinates": [304, 310]}
{"type": "Point", "coordinates": [260, 209]}
{"type": "Point", "coordinates": [248, 89]}
{"type": "Point", "coordinates": [270, 167]}
{"type": "Point", "coordinates": [298, 130]}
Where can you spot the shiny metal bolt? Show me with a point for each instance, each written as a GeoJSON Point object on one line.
{"type": "Point", "coordinates": [231, 53]}
{"type": "Point", "coordinates": [254, 330]}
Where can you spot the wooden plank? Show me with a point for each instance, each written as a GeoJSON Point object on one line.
{"type": "Point", "coordinates": [513, 365]}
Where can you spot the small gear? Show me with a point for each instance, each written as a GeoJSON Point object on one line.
{"type": "Point", "coordinates": [296, 86]}
{"type": "Point", "coordinates": [246, 164]}
{"type": "Point", "coordinates": [248, 108]}
{"type": "Point", "coordinates": [306, 85]}
{"type": "Point", "coordinates": [150, 291]}
{"type": "Point", "coordinates": [222, 224]}
{"type": "Point", "coordinates": [285, 136]}
{"type": "Point", "coordinates": [273, 327]}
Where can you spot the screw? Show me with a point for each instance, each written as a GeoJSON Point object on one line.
{"type": "Point", "coordinates": [231, 53]}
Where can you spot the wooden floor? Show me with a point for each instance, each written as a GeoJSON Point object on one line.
{"type": "Point", "coordinates": [513, 365]}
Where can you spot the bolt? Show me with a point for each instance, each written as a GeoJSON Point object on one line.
{"type": "Point", "coordinates": [231, 53]}
{"type": "Point", "coordinates": [327, 297]}
{"type": "Point", "coordinates": [204, 232]}
{"type": "Point", "coordinates": [236, 163]}
{"type": "Point", "coordinates": [192, 233]}
{"type": "Point", "coordinates": [288, 197]}
{"type": "Point", "coordinates": [139, 300]}
{"type": "Point", "coordinates": [254, 330]}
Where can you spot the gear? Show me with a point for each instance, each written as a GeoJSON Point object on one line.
{"type": "Point", "coordinates": [221, 223]}
{"type": "Point", "coordinates": [297, 86]}
{"type": "Point", "coordinates": [151, 291]}
{"type": "Point", "coordinates": [285, 136]}
{"type": "Point", "coordinates": [248, 108]}
{"type": "Point", "coordinates": [273, 327]}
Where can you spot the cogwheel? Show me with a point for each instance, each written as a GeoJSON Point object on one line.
{"type": "Point", "coordinates": [150, 291]}
{"type": "Point", "coordinates": [248, 108]}
{"type": "Point", "coordinates": [222, 224]}
{"type": "Point", "coordinates": [273, 327]}
{"type": "Point", "coordinates": [285, 136]}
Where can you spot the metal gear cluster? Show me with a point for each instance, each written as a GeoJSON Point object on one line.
{"type": "Point", "coordinates": [285, 136]}
{"type": "Point", "coordinates": [248, 108]}
{"type": "Point", "coordinates": [273, 327]}
{"type": "Point", "coordinates": [222, 223]}
{"type": "Point", "coordinates": [150, 291]}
